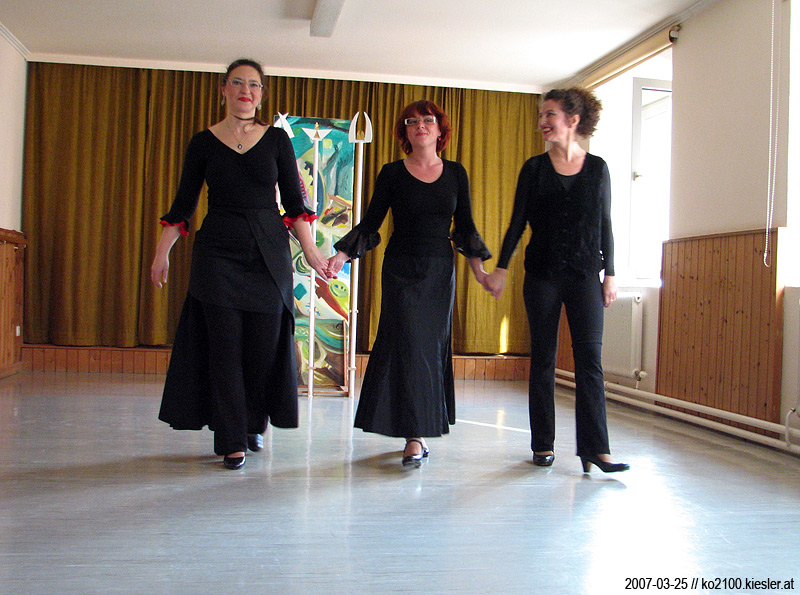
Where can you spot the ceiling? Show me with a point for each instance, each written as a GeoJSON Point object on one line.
{"type": "Point", "coordinates": [516, 45]}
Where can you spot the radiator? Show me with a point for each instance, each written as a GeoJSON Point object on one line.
{"type": "Point", "coordinates": [622, 337]}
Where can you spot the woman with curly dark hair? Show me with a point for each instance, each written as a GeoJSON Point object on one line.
{"type": "Point", "coordinates": [565, 196]}
{"type": "Point", "coordinates": [408, 389]}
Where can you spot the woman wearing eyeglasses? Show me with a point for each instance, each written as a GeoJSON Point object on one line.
{"type": "Point", "coordinates": [408, 390]}
{"type": "Point", "coordinates": [232, 365]}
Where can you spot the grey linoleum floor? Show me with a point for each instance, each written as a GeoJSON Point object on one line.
{"type": "Point", "coordinates": [98, 496]}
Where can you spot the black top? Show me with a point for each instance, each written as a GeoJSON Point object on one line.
{"type": "Point", "coordinates": [238, 180]}
{"type": "Point", "coordinates": [571, 223]}
{"type": "Point", "coordinates": [242, 249]}
{"type": "Point", "coordinates": [422, 212]}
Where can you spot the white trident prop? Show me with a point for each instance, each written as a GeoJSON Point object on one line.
{"type": "Point", "coordinates": [359, 139]}
{"type": "Point", "coordinates": [316, 135]}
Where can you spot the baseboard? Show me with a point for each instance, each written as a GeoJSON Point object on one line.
{"type": "Point", "coordinates": [12, 369]}
{"type": "Point", "coordinates": [134, 360]}
{"type": "Point", "coordinates": [155, 360]}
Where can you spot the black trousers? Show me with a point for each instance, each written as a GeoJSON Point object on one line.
{"type": "Point", "coordinates": [242, 354]}
{"type": "Point", "coordinates": [583, 300]}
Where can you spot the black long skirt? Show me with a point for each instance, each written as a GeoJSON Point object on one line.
{"type": "Point", "coordinates": [408, 388]}
{"type": "Point", "coordinates": [187, 402]}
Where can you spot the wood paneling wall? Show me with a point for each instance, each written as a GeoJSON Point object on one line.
{"type": "Point", "coordinates": [153, 360]}
{"type": "Point", "coordinates": [12, 254]}
{"type": "Point", "coordinates": [721, 324]}
{"type": "Point", "coordinates": [119, 360]}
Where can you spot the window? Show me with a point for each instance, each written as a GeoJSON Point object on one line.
{"type": "Point", "coordinates": [634, 136]}
{"type": "Point", "coordinates": [651, 141]}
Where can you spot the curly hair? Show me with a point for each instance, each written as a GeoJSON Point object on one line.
{"type": "Point", "coordinates": [423, 107]}
{"type": "Point", "coordinates": [580, 101]}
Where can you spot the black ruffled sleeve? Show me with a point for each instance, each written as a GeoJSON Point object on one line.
{"type": "Point", "coordinates": [464, 235]}
{"type": "Point", "coordinates": [192, 179]}
{"type": "Point", "coordinates": [470, 244]}
{"type": "Point", "coordinates": [356, 243]}
{"type": "Point", "coordinates": [365, 236]}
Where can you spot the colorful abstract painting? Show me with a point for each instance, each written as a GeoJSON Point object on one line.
{"type": "Point", "coordinates": [335, 197]}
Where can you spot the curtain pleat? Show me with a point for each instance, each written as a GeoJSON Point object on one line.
{"type": "Point", "coordinates": [499, 134]}
{"type": "Point", "coordinates": [83, 192]}
{"type": "Point", "coordinates": [103, 156]}
{"type": "Point", "coordinates": [180, 104]}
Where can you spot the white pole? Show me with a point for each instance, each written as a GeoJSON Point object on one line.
{"type": "Point", "coordinates": [358, 138]}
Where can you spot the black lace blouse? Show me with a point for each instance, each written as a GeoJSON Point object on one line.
{"type": "Point", "coordinates": [570, 224]}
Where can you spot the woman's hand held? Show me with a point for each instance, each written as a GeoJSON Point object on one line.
{"type": "Point", "coordinates": [336, 262]}
{"type": "Point", "coordinates": [495, 282]}
{"type": "Point", "coordinates": [318, 262]}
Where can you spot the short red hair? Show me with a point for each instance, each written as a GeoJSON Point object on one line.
{"type": "Point", "coordinates": [423, 107]}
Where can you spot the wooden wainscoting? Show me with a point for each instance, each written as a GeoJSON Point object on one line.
{"type": "Point", "coordinates": [721, 324]}
{"type": "Point", "coordinates": [155, 360]}
{"type": "Point", "coordinates": [136, 360]}
{"type": "Point", "coordinates": [12, 261]}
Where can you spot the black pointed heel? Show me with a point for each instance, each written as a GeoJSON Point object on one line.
{"type": "Point", "coordinates": [415, 460]}
{"type": "Point", "coordinates": [603, 465]}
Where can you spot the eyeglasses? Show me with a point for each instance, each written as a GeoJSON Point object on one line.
{"type": "Point", "coordinates": [424, 119]}
{"type": "Point", "coordinates": [252, 85]}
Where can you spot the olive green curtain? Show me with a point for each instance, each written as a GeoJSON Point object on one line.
{"type": "Point", "coordinates": [82, 203]}
{"type": "Point", "coordinates": [103, 154]}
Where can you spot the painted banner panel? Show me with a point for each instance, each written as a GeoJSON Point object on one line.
{"type": "Point", "coordinates": [334, 208]}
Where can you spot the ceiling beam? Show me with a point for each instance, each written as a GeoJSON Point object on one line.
{"type": "Point", "coordinates": [326, 14]}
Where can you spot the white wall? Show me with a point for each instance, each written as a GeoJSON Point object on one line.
{"type": "Point", "coordinates": [720, 144]}
{"type": "Point", "coordinates": [720, 149]}
{"type": "Point", "coordinates": [13, 72]}
{"type": "Point", "coordinates": [721, 108]}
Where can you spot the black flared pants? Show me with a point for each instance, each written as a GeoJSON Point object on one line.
{"type": "Point", "coordinates": [582, 297]}
{"type": "Point", "coordinates": [242, 354]}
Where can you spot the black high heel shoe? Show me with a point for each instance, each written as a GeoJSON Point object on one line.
{"type": "Point", "coordinates": [603, 465]}
{"type": "Point", "coordinates": [255, 442]}
{"type": "Point", "coordinates": [233, 462]}
{"type": "Point", "coordinates": [415, 460]}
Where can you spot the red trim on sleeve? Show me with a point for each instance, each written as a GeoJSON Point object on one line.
{"type": "Point", "coordinates": [290, 221]}
{"type": "Point", "coordinates": [184, 231]}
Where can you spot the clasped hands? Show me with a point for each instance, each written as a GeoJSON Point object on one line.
{"type": "Point", "coordinates": [494, 282]}
{"type": "Point", "coordinates": [335, 264]}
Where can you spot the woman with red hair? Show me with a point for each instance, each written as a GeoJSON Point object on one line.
{"type": "Point", "coordinates": [408, 390]}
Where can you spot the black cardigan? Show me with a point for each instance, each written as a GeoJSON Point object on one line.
{"type": "Point", "coordinates": [571, 228]}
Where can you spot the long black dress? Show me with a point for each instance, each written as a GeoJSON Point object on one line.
{"type": "Point", "coordinates": [408, 387]}
{"type": "Point", "coordinates": [240, 260]}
